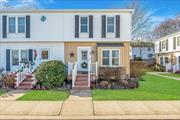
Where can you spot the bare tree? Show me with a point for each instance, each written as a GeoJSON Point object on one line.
{"type": "Point", "coordinates": [141, 20]}
{"type": "Point", "coordinates": [167, 27]}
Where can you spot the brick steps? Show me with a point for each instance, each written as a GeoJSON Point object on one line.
{"type": "Point", "coordinates": [27, 83]}
{"type": "Point", "coordinates": [81, 82]}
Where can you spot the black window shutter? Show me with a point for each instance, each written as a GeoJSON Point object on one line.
{"type": "Point", "coordinates": [117, 26]}
{"type": "Point", "coordinates": [4, 25]}
{"type": "Point", "coordinates": [103, 26]}
{"type": "Point", "coordinates": [159, 46]}
{"type": "Point", "coordinates": [76, 26]}
{"type": "Point", "coordinates": [31, 55]}
{"type": "Point", "coordinates": [8, 60]}
{"type": "Point", "coordinates": [90, 26]}
{"type": "Point", "coordinates": [174, 43]}
{"type": "Point", "coordinates": [167, 45]}
{"type": "Point", "coordinates": [28, 29]}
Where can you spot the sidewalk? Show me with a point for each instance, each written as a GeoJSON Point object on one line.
{"type": "Point", "coordinates": [82, 109]}
{"type": "Point", "coordinates": [160, 74]}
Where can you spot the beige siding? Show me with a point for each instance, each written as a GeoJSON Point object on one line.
{"type": "Point", "coordinates": [96, 54]}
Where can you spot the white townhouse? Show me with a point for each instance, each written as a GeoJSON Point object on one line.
{"type": "Point", "coordinates": [167, 50]}
{"type": "Point", "coordinates": [79, 37]}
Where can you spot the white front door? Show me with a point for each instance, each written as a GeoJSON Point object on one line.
{"type": "Point", "coordinates": [83, 56]}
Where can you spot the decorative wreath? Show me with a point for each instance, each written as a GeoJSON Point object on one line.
{"type": "Point", "coordinates": [84, 65]}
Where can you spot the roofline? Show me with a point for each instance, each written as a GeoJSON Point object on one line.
{"type": "Point", "coordinates": [65, 10]}
{"type": "Point", "coordinates": [165, 37]}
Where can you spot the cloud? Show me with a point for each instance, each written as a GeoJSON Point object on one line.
{"type": "Point", "coordinates": [19, 4]}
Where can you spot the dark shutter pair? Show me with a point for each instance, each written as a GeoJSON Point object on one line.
{"type": "Point", "coordinates": [104, 26]}
{"type": "Point", "coordinates": [77, 26]}
{"type": "Point", "coordinates": [4, 25]}
{"type": "Point", "coordinates": [8, 56]}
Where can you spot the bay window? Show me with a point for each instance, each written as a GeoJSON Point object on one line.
{"type": "Point", "coordinates": [110, 57]}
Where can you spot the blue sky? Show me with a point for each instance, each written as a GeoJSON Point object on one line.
{"type": "Point", "coordinates": [161, 9]}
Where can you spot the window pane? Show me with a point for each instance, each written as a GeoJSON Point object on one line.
{"type": "Point", "coordinates": [110, 20]}
{"type": "Point", "coordinates": [15, 57]}
{"type": "Point", "coordinates": [24, 56]}
{"type": "Point", "coordinates": [115, 57]}
{"type": "Point", "coordinates": [84, 55]}
{"type": "Point", "coordinates": [115, 61]}
{"type": "Point", "coordinates": [166, 60]}
{"type": "Point", "coordinates": [21, 24]}
{"type": "Point", "coordinates": [115, 53]}
{"type": "Point", "coordinates": [44, 54]}
{"type": "Point", "coordinates": [83, 20]}
{"type": "Point", "coordinates": [161, 60]}
{"type": "Point", "coordinates": [105, 61]}
{"type": "Point", "coordinates": [178, 41]}
{"type": "Point", "coordinates": [106, 53]}
{"type": "Point", "coordinates": [84, 29]}
{"type": "Point", "coordinates": [12, 25]}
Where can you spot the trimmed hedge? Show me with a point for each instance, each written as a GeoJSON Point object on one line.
{"type": "Point", "coordinates": [51, 74]}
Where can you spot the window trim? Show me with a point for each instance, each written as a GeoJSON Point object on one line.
{"type": "Point", "coordinates": [16, 24]}
{"type": "Point", "coordinates": [110, 57]}
{"type": "Point", "coordinates": [162, 44]}
{"type": "Point", "coordinates": [107, 25]}
{"type": "Point", "coordinates": [87, 25]}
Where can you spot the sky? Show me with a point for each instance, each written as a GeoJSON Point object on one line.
{"type": "Point", "coordinates": [159, 9]}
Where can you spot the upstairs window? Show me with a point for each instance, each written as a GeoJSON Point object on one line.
{"type": "Point", "coordinates": [84, 24]}
{"type": "Point", "coordinates": [21, 25]}
{"type": "Point", "coordinates": [110, 24]}
{"type": "Point", "coordinates": [178, 41]}
{"type": "Point", "coordinates": [12, 25]}
{"type": "Point", "coordinates": [164, 44]}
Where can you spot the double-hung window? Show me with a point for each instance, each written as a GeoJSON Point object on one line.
{"type": "Point", "coordinates": [21, 25]}
{"type": "Point", "coordinates": [24, 56]}
{"type": "Point", "coordinates": [110, 58]}
{"type": "Point", "coordinates": [15, 57]}
{"type": "Point", "coordinates": [178, 41]}
{"type": "Point", "coordinates": [110, 24]}
{"type": "Point", "coordinates": [12, 25]}
{"type": "Point", "coordinates": [164, 44]}
{"type": "Point", "coordinates": [84, 24]}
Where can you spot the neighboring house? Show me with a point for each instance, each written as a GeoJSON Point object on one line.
{"type": "Point", "coordinates": [144, 51]}
{"type": "Point", "coordinates": [167, 50]}
{"type": "Point", "coordinates": [85, 37]}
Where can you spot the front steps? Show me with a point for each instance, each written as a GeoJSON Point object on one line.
{"type": "Point", "coordinates": [27, 83]}
{"type": "Point", "coordinates": [81, 82]}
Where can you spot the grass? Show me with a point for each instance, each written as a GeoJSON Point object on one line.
{"type": "Point", "coordinates": [45, 95]}
{"type": "Point", "coordinates": [1, 92]}
{"type": "Point", "coordinates": [172, 75]}
{"type": "Point", "coordinates": [151, 88]}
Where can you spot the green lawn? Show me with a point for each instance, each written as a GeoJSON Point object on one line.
{"type": "Point", "coordinates": [1, 92]}
{"type": "Point", "coordinates": [172, 75]}
{"type": "Point", "coordinates": [152, 88]}
{"type": "Point", "coordinates": [45, 95]}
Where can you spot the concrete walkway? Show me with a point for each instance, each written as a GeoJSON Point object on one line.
{"type": "Point", "coordinates": [83, 109]}
{"type": "Point", "coordinates": [12, 95]}
{"type": "Point", "coordinates": [160, 74]}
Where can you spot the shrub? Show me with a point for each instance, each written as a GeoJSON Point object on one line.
{"type": "Point", "coordinates": [104, 84]}
{"type": "Point", "coordinates": [9, 80]}
{"type": "Point", "coordinates": [51, 74]}
{"type": "Point", "coordinates": [158, 67]}
{"type": "Point", "coordinates": [137, 69]}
